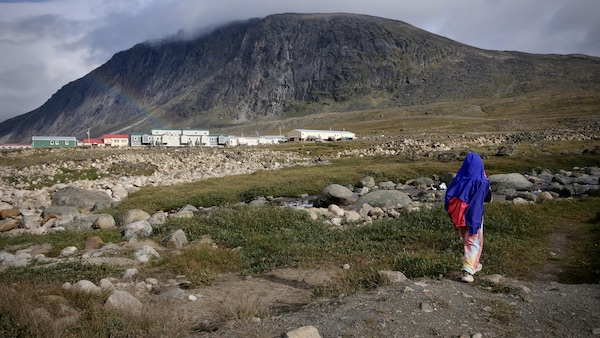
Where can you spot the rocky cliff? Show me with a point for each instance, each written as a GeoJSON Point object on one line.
{"type": "Point", "coordinates": [289, 65]}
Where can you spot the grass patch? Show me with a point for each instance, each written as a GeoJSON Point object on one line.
{"type": "Point", "coordinates": [201, 263]}
{"type": "Point", "coordinates": [58, 239]}
{"type": "Point", "coordinates": [59, 273]}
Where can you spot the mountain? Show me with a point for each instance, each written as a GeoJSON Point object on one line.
{"type": "Point", "coordinates": [289, 65]}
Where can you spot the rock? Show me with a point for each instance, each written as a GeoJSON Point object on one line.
{"type": "Point", "coordinates": [79, 222]}
{"type": "Point", "coordinates": [364, 209]}
{"type": "Point", "coordinates": [133, 215]}
{"type": "Point", "coordinates": [58, 211]}
{"type": "Point", "coordinates": [421, 182]}
{"type": "Point", "coordinates": [304, 332]}
{"type": "Point", "coordinates": [393, 276]}
{"type": "Point", "coordinates": [129, 274]}
{"type": "Point", "coordinates": [520, 201]}
{"type": "Point", "coordinates": [448, 178]}
{"type": "Point", "coordinates": [158, 218]}
{"type": "Point", "coordinates": [189, 207]}
{"type": "Point", "coordinates": [81, 199]}
{"type": "Point", "coordinates": [123, 301]}
{"type": "Point", "coordinates": [105, 284]}
{"type": "Point", "coordinates": [544, 197]}
{"type": "Point", "coordinates": [387, 185]}
{"type": "Point", "coordinates": [335, 194]}
{"type": "Point", "coordinates": [138, 229]}
{"type": "Point", "coordinates": [335, 210]}
{"type": "Point", "coordinates": [85, 286]}
{"type": "Point", "coordinates": [173, 293]}
{"type": "Point", "coordinates": [9, 224]}
{"type": "Point", "coordinates": [426, 307]}
{"type": "Point", "coordinates": [68, 251]}
{"type": "Point", "coordinates": [145, 253]}
{"type": "Point", "coordinates": [175, 240]}
{"type": "Point", "coordinates": [104, 221]}
{"type": "Point", "coordinates": [510, 181]}
{"type": "Point", "coordinates": [384, 199]}
{"type": "Point", "coordinates": [190, 214]}
{"type": "Point", "coordinates": [366, 182]}
{"type": "Point", "coordinates": [351, 216]}
{"type": "Point", "coordinates": [119, 192]}
{"type": "Point", "coordinates": [9, 213]}
{"type": "Point", "coordinates": [506, 151]}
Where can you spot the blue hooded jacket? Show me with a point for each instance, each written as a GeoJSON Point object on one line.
{"type": "Point", "coordinates": [466, 194]}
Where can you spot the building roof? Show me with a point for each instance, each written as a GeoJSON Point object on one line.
{"type": "Point", "coordinates": [53, 138]}
{"type": "Point", "coordinates": [93, 140]}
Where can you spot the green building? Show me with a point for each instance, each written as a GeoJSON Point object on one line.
{"type": "Point", "coordinates": [53, 141]}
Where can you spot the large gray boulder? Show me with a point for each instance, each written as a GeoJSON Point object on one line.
{"type": "Point", "coordinates": [335, 194]}
{"type": "Point", "coordinates": [133, 215]}
{"type": "Point", "coordinates": [384, 199]}
{"type": "Point", "coordinates": [510, 181]}
{"type": "Point", "coordinates": [81, 199]}
{"type": "Point", "coordinates": [123, 301]}
{"type": "Point", "coordinates": [138, 230]}
{"type": "Point", "coordinates": [60, 211]}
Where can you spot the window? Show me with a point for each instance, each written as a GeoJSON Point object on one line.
{"type": "Point", "coordinates": [51, 143]}
{"type": "Point", "coordinates": [66, 143]}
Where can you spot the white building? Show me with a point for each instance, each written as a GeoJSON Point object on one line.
{"type": "Point", "coordinates": [311, 135]}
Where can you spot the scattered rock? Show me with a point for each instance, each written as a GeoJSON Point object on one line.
{"type": "Point", "coordinates": [133, 215]}
{"type": "Point", "coordinates": [9, 213]}
{"type": "Point", "coordinates": [123, 301]}
{"type": "Point", "coordinates": [304, 332]}
{"type": "Point", "coordinates": [175, 240]}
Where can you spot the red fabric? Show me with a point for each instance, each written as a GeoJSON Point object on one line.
{"type": "Point", "coordinates": [456, 209]}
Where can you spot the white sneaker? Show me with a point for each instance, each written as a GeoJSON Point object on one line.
{"type": "Point", "coordinates": [478, 268]}
{"type": "Point", "coordinates": [467, 277]}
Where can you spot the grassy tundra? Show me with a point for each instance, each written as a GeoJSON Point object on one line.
{"type": "Point", "coordinates": [261, 239]}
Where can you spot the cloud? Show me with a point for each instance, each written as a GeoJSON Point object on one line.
{"type": "Point", "coordinates": [46, 44]}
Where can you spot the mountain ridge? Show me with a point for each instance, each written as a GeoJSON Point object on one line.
{"type": "Point", "coordinates": [289, 65]}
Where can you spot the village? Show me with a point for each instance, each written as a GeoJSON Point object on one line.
{"type": "Point", "coordinates": [181, 138]}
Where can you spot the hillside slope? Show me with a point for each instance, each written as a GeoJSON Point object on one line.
{"type": "Point", "coordinates": [290, 65]}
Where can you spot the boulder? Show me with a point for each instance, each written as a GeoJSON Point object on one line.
{"type": "Point", "coordinates": [9, 213]}
{"type": "Point", "coordinates": [145, 253]}
{"type": "Point", "coordinates": [421, 182]}
{"type": "Point", "coordinates": [133, 215]}
{"type": "Point", "coordinates": [9, 224]}
{"type": "Point", "coordinates": [59, 211]}
{"type": "Point", "coordinates": [335, 194]}
{"type": "Point", "coordinates": [104, 221]}
{"type": "Point", "coordinates": [367, 182]}
{"type": "Point", "coordinates": [123, 301]}
{"type": "Point", "coordinates": [139, 229]}
{"type": "Point", "coordinates": [304, 332]}
{"type": "Point", "coordinates": [510, 181]}
{"type": "Point", "coordinates": [175, 240]}
{"type": "Point", "coordinates": [85, 286]}
{"type": "Point", "coordinates": [384, 199]}
{"type": "Point", "coordinates": [81, 199]}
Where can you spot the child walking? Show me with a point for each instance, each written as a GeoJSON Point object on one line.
{"type": "Point", "coordinates": [464, 201]}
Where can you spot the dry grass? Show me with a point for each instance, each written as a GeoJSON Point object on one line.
{"type": "Point", "coordinates": [46, 310]}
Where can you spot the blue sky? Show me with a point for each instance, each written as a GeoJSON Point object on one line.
{"type": "Point", "coordinates": [46, 44]}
